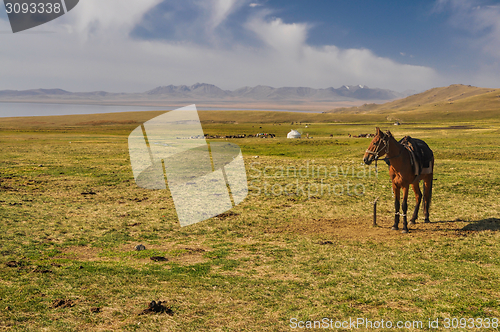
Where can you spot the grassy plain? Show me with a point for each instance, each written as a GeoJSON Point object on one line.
{"type": "Point", "coordinates": [71, 215]}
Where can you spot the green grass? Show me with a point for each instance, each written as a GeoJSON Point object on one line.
{"type": "Point", "coordinates": [71, 216]}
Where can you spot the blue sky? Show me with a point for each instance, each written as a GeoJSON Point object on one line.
{"type": "Point", "coordinates": [133, 46]}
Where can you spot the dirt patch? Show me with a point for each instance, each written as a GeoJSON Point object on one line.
{"type": "Point", "coordinates": [226, 215]}
{"type": "Point", "coordinates": [448, 128]}
{"type": "Point", "coordinates": [184, 256]}
{"type": "Point", "coordinates": [331, 230]}
{"type": "Point", "coordinates": [15, 264]}
{"type": "Point", "coordinates": [194, 249]}
{"type": "Point", "coordinates": [105, 123]}
{"type": "Point", "coordinates": [40, 269]}
{"type": "Point", "coordinates": [82, 253]}
{"type": "Point", "coordinates": [60, 303]}
{"type": "Point", "coordinates": [158, 259]}
{"type": "Point", "coordinates": [95, 310]}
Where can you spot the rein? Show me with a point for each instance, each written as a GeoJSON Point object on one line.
{"type": "Point", "coordinates": [378, 151]}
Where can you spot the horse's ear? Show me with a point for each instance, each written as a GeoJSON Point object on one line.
{"type": "Point", "coordinates": [389, 133]}
{"type": "Point", "coordinates": [378, 131]}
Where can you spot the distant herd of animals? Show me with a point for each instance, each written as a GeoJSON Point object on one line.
{"type": "Point", "coordinates": [268, 135]}
{"type": "Point", "coordinates": [361, 135]}
{"type": "Point", "coordinates": [261, 135]}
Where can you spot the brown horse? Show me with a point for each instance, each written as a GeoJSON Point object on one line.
{"type": "Point", "coordinates": [403, 174]}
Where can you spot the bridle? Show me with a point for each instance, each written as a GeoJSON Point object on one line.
{"type": "Point", "coordinates": [378, 151]}
{"type": "Point", "coordinates": [385, 139]}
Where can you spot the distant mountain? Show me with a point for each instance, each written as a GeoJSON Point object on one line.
{"type": "Point", "coordinates": [457, 99]}
{"type": "Point", "coordinates": [203, 93]}
{"type": "Point", "coordinates": [36, 92]}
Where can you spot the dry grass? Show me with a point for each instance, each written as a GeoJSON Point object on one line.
{"type": "Point", "coordinates": [453, 103]}
{"type": "Point", "coordinates": [71, 216]}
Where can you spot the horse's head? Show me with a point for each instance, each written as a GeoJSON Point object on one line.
{"type": "Point", "coordinates": [378, 147]}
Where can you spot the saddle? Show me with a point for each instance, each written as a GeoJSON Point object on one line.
{"type": "Point", "coordinates": [421, 155]}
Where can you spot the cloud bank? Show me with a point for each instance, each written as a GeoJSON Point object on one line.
{"type": "Point", "coordinates": [237, 43]}
{"type": "Point", "coordinates": [480, 27]}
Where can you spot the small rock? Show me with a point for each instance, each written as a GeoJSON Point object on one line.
{"type": "Point", "coordinates": [140, 247]}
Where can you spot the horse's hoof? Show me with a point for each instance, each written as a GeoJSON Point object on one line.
{"type": "Point", "coordinates": [412, 222]}
{"type": "Point", "coordinates": [394, 228]}
{"type": "Point", "coordinates": [427, 221]}
{"type": "Point", "coordinates": [405, 231]}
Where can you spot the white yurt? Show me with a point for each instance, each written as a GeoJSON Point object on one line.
{"type": "Point", "coordinates": [293, 134]}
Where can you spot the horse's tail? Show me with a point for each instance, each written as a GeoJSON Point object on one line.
{"type": "Point", "coordinates": [430, 185]}
{"type": "Point", "coordinates": [428, 196]}
{"type": "Point", "coordinates": [430, 192]}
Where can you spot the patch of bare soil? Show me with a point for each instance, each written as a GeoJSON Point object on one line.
{"type": "Point", "coordinates": [104, 122]}
{"type": "Point", "coordinates": [330, 230]}
{"type": "Point", "coordinates": [226, 215]}
{"type": "Point", "coordinates": [40, 269]}
{"type": "Point", "coordinates": [15, 264]}
{"type": "Point", "coordinates": [60, 303]}
{"type": "Point", "coordinates": [158, 259]}
{"type": "Point", "coordinates": [194, 249]}
{"type": "Point", "coordinates": [82, 253]}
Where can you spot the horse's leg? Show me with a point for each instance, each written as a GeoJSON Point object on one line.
{"type": "Point", "coordinates": [396, 191]}
{"type": "Point", "coordinates": [427, 196]}
{"type": "Point", "coordinates": [418, 197]}
{"type": "Point", "coordinates": [406, 189]}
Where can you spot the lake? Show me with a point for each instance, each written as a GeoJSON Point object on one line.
{"type": "Point", "coordinates": [40, 109]}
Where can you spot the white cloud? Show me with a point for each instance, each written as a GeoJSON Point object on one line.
{"type": "Point", "coordinates": [481, 25]}
{"type": "Point", "coordinates": [221, 9]}
{"type": "Point", "coordinates": [92, 50]}
{"type": "Point", "coordinates": [113, 17]}
{"type": "Point", "coordinates": [278, 35]}
{"type": "Point", "coordinates": [482, 22]}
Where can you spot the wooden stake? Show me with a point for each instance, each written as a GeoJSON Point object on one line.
{"type": "Point", "coordinates": [375, 211]}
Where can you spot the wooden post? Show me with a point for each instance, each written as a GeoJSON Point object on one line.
{"type": "Point", "coordinates": [375, 212]}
